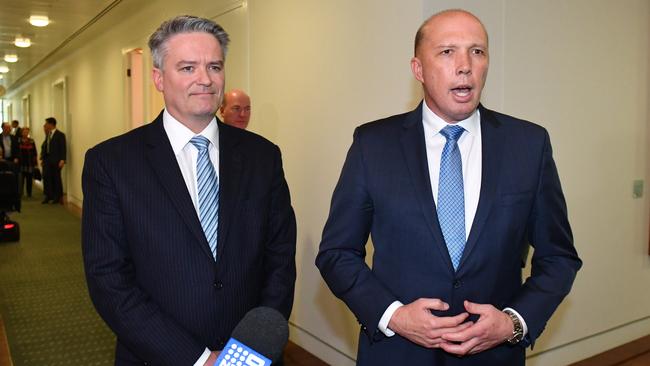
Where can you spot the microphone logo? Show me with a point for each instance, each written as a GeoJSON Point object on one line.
{"type": "Point", "coordinates": [236, 353]}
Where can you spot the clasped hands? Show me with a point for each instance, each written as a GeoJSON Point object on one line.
{"type": "Point", "coordinates": [453, 334]}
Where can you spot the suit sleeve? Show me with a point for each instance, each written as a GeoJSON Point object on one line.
{"type": "Point", "coordinates": [555, 261]}
{"type": "Point", "coordinates": [341, 257]}
{"type": "Point", "coordinates": [280, 248]}
{"type": "Point", "coordinates": [137, 321]}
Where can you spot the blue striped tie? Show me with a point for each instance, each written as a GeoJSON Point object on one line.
{"type": "Point", "coordinates": [451, 196]}
{"type": "Point", "coordinates": [208, 187]}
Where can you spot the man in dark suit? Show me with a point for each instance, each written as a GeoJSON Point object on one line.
{"type": "Point", "coordinates": [452, 194]}
{"type": "Point", "coordinates": [53, 153]}
{"type": "Point", "coordinates": [187, 222]}
{"type": "Point", "coordinates": [10, 147]}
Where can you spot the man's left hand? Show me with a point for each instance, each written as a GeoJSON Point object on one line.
{"type": "Point", "coordinates": [61, 164]}
{"type": "Point", "coordinates": [492, 328]}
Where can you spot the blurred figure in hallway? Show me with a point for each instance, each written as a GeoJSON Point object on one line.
{"type": "Point", "coordinates": [15, 128]}
{"type": "Point", "coordinates": [9, 144]}
{"type": "Point", "coordinates": [52, 160]}
{"type": "Point", "coordinates": [236, 109]}
{"type": "Point", "coordinates": [27, 161]}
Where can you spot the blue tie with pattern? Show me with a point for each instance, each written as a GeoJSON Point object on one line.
{"type": "Point", "coordinates": [208, 187]}
{"type": "Point", "coordinates": [451, 196]}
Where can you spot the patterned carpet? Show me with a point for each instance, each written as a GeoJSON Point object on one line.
{"type": "Point", "coordinates": [47, 313]}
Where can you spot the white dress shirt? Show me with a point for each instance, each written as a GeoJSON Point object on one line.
{"type": "Point", "coordinates": [470, 146]}
{"type": "Point", "coordinates": [186, 155]}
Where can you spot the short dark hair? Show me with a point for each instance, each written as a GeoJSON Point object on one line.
{"type": "Point", "coordinates": [183, 24]}
{"type": "Point", "coordinates": [51, 120]}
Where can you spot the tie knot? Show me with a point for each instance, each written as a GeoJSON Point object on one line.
{"type": "Point", "coordinates": [200, 142]}
{"type": "Point", "coordinates": [452, 132]}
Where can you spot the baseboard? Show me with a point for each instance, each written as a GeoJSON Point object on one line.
{"type": "Point", "coordinates": [592, 345]}
{"type": "Point", "coordinates": [5, 355]}
{"type": "Point", "coordinates": [319, 348]}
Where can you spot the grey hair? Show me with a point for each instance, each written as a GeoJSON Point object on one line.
{"type": "Point", "coordinates": [183, 24]}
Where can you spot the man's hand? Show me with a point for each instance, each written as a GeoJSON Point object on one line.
{"type": "Point", "coordinates": [61, 164]}
{"type": "Point", "coordinates": [212, 359]}
{"type": "Point", "coordinates": [492, 328]}
{"type": "Point", "coordinates": [415, 322]}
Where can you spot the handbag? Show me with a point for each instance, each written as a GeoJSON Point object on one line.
{"type": "Point", "coordinates": [37, 174]}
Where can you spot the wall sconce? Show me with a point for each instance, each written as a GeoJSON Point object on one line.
{"type": "Point", "coordinates": [4, 69]}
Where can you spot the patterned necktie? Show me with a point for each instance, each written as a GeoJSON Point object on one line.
{"type": "Point", "coordinates": [208, 187]}
{"type": "Point", "coordinates": [451, 196]}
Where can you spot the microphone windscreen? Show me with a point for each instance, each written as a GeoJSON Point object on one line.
{"type": "Point", "coordinates": [265, 330]}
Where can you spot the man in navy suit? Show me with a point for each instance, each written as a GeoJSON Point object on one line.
{"type": "Point", "coordinates": [187, 222]}
{"type": "Point", "coordinates": [452, 194]}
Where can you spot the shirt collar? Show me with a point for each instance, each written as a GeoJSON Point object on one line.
{"type": "Point", "coordinates": [471, 124]}
{"type": "Point", "coordinates": [179, 135]}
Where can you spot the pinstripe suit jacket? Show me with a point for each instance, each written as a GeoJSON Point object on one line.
{"type": "Point", "coordinates": [149, 269]}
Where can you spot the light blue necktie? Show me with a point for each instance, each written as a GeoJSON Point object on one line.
{"type": "Point", "coordinates": [451, 196]}
{"type": "Point", "coordinates": [208, 187]}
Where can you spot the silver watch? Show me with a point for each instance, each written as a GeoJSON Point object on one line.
{"type": "Point", "coordinates": [518, 329]}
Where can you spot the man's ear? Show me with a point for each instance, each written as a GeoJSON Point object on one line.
{"type": "Point", "coordinates": [416, 69]}
{"type": "Point", "coordinates": [157, 77]}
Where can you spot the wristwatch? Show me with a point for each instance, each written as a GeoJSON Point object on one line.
{"type": "Point", "coordinates": [518, 329]}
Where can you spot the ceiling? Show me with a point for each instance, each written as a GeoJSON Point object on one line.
{"type": "Point", "coordinates": [67, 19]}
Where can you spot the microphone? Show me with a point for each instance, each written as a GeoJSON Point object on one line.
{"type": "Point", "coordinates": [258, 339]}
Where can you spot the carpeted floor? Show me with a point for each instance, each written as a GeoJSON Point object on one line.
{"type": "Point", "coordinates": [47, 313]}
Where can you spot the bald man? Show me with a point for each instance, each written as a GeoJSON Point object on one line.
{"type": "Point", "coordinates": [452, 194]}
{"type": "Point", "coordinates": [236, 109]}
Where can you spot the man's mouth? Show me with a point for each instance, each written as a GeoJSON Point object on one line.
{"type": "Point", "coordinates": [462, 90]}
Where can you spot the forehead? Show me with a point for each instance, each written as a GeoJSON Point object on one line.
{"type": "Point", "coordinates": [455, 27]}
{"type": "Point", "coordinates": [192, 45]}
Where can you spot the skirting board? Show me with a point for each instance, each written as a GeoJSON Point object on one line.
{"type": "Point", "coordinates": [318, 348]}
{"type": "Point", "coordinates": [591, 345]}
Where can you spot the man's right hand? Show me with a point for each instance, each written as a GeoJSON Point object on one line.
{"type": "Point", "coordinates": [415, 322]}
{"type": "Point", "coordinates": [212, 359]}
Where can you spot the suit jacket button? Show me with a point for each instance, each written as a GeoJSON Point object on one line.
{"type": "Point", "coordinates": [457, 284]}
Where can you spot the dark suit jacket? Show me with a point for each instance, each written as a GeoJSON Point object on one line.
{"type": "Point", "coordinates": [149, 268]}
{"type": "Point", "coordinates": [385, 191]}
{"type": "Point", "coordinates": [57, 148]}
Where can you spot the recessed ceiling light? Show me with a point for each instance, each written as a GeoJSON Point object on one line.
{"type": "Point", "coordinates": [4, 69]}
{"type": "Point", "coordinates": [11, 57]}
{"type": "Point", "coordinates": [22, 42]}
{"type": "Point", "coordinates": [39, 20]}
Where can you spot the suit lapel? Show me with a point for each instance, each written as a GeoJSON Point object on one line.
{"type": "Point", "coordinates": [230, 170]}
{"type": "Point", "coordinates": [492, 145]}
{"type": "Point", "coordinates": [415, 154]}
{"type": "Point", "coordinates": [161, 157]}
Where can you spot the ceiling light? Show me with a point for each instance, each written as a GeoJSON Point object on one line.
{"type": "Point", "coordinates": [4, 69]}
{"type": "Point", "coordinates": [11, 57]}
{"type": "Point", "coordinates": [1, 77]}
{"type": "Point", "coordinates": [22, 42]}
{"type": "Point", "coordinates": [39, 20]}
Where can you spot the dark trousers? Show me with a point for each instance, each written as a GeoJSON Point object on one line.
{"type": "Point", "coordinates": [26, 180]}
{"type": "Point", "coordinates": [52, 185]}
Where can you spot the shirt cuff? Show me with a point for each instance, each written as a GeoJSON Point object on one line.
{"type": "Point", "coordinates": [204, 357]}
{"type": "Point", "coordinates": [521, 320]}
{"type": "Point", "coordinates": [385, 319]}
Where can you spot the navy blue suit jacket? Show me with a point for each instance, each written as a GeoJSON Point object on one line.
{"type": "Point", "coordinates": [150, 272]}
{"type": "Point", "coordinates": [384, 191]}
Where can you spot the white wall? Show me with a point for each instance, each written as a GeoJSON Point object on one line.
{"type": "Point", "coordinates": [315, 70]}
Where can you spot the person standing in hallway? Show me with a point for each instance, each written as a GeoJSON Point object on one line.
{"type": "Point", "coordinates": [15, 128]}
{"type": "Point", "coordinates": [187, 222]}
{"type": "Point", "coordinates": [53, 156]}
{"type": "Point", "coordinates": [27, 159]}
{"type": "Point", "coordinates": [9, 144]}
{"type": "Point", "coordinates": [236, 109]}
{"type": "Point", "coordinates": [452, 194]}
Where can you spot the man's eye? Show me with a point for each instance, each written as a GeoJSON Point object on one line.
{"type": "Point", "coordinates": [446, 52]}
{"type": "Point", "coordinates": [215, 67]}
{"type": "Point", "coordinates": [187, 68]}
{"type": "Point", "coordinates": [477, 51]}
